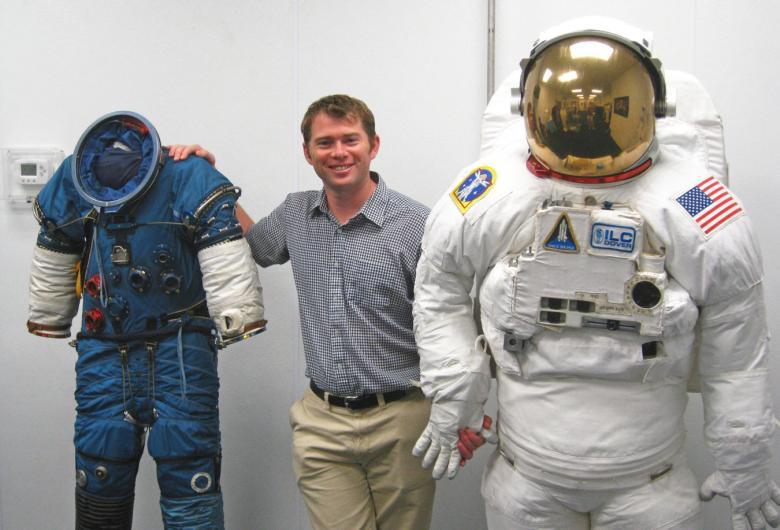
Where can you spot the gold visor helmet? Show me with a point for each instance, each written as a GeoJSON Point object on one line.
{"type": "Point", "coordinates": [589, 101]}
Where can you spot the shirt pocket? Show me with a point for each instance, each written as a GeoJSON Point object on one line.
{"type": "Point", "coordinates": [373, 282]}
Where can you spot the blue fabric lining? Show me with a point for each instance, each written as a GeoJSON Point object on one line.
{"type": "Point", "coordinates": [116, 167]}
{"type": "Point", "coordinates": [101, 141]}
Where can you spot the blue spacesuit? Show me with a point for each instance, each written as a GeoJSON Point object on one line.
{"type": "Point", "coordinates": [166, 277]}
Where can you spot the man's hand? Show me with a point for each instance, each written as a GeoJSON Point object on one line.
{"type": "Point", "coordinates": [469, 441]}
{"type": "Point", "coordinates": [181, 152]}
{"type": "Point", "coordinates": [754, 498]}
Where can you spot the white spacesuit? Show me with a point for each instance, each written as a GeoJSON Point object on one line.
{"type": "Point", "coordinates": [609, 270]}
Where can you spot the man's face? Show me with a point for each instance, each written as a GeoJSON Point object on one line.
{"type": "Point", "coordinates": [340, 152]}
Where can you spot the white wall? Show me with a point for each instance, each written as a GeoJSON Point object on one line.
{"type": "Point", "coordinates": [237, 77]}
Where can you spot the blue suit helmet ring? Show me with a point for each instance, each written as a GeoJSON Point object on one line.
{"type": "Point", "coordinates": [116, 160]}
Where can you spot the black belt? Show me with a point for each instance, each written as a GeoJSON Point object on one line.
{"type": "Point", "coordinates": [359, 402]}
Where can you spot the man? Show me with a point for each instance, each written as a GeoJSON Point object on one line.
{"type": "Point", "coordinates": [608, 271]}
{"type": "Point", "coordinates": [155, 249]}
{"type": "Point", "coordinates": [354, 247]}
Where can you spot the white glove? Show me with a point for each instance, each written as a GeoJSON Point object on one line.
{"type": "Point", "coordinates": [233, 292]}
{"type": "Point", "coordinates": [754, 498]}
{"type": "Point", "coordinates": [230, 322]}
{"type": "Point", "coordinates": [439, 440]}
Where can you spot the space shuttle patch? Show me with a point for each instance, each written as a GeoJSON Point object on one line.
{"type": "Point", "coordinates": [472, 188]}
{"type": "Point", "coordinates": [561, 238]}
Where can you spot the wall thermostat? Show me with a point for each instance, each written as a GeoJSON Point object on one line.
{"type": "Point", "coordinates": [27, 170]}
{"type": "Point", "coordinates": [31, 170]}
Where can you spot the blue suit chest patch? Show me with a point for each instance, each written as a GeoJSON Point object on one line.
{"type": "Point", "coordinates": [612, 237]}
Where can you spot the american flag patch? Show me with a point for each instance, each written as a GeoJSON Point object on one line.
{"type": "Point", "coordinates": [710, 204]}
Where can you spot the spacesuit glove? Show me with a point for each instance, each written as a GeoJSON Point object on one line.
{"type": "Point", "coordinates": [754, 498]}
{"type": "Point", "coordinates": [230, 322]}
{"type": "Point", "coordinates": [438, 444]}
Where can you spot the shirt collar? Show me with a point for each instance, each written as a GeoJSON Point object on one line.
{"type": "Point", "coordinates": [373, 209]}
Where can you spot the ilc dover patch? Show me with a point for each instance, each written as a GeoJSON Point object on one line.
{"type": "Point", "coordinates": [612, 237]}
{"type": "Point", "coordinates": [472, 188]}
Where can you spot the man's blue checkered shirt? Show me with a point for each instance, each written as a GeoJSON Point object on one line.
{"type": "Point", "coordinates": [355, 286]}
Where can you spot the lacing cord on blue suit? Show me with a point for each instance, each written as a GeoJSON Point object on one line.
{"type": "Point", "coordinates": [101, 275]}
{"type": "Point", "coordinates": [180, 353]}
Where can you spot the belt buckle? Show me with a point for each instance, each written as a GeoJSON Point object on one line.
{"type": "Point", "coordinates": [348, 400]}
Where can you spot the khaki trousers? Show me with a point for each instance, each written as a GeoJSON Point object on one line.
{"type": "Point", "coordinates": [355, 469]}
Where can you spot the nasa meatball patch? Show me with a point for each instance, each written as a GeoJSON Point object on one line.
{"type": "Point", "coordinates": [472, 188]}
